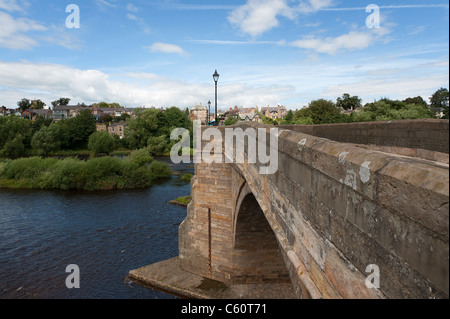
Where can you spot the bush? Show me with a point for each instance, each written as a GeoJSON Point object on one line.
{"type": "Point", "coordinates": [97, 170]}
{"type": "Point", "coordinates": [102, 173]}
{"type": "Point", "coordinates": [157, 145]}
{"type": "Point", "coordinates": [186, 177]}
{"type": "Point", "coordinates": [140, 157]}
{"type": "Point", "coordinates": [101, 143]}
{"type": "Point", "coordinates": [160, 170]}
{"type": "Point", "coordinates": [68, 174]}
{"type": "Point", "coordinates": [135, 177]}
{"type": "Point", "coordinates": [27, 168]}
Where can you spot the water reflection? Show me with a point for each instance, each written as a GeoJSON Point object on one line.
{"type": "Point", "coordinates": [105, 233]}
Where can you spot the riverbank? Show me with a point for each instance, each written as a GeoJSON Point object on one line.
{"type": "Point", "coordinates": [181, 201]}
{"type": "Point", "coordinates": [138, 170]}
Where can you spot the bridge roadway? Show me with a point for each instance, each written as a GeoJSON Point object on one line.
{"type": "Point", "coordinates": [346, 201]}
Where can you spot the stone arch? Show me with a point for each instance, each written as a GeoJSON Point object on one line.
{"type": "Point", "coordinates": [257, 256]}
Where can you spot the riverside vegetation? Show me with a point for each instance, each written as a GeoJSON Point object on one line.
{"type": "Point", "coordinates": [102, 173]}
{"type": "Point", "coordinates": [29, 151]}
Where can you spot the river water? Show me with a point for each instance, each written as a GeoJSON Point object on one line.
{"type": "Point", "coordinates": [106, 234]}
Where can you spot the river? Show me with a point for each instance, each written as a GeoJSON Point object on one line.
{"type": "Point", "coordinates": [105, 233]}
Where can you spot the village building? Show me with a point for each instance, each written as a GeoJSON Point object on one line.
{"type": "Point", "coordinates": [117, 129]}
{"type": "Point", "coordinates": [274, 113]}
{"type": "Point", "coordinates": [199, 112]}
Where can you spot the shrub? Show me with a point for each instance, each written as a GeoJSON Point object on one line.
{"type": "Point", "coordinates": [101, 143]}
{"type": "Point", "coordinates": [27, 168]}
{"type": "Point", "coordinates": [160, 170]}
{"type": "Point", "coordinates": [68, 174]}
{"type": "Point", "coordinates": [157, 145]}
{"type": "Point", "coordinates": [98, 169]}
{"type": "Point", "coordinates": [140, 157]}
{"type": "Point", "coordinates": [186, 177]}
{"type": "Point", "coordinates": [135, 176]}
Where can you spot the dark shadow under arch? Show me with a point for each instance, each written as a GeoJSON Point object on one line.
{"type": "Point", "coordinates": [257, 256]}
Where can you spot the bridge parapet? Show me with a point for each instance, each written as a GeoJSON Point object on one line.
{"type": "Point", "coordinates": [334, 209]}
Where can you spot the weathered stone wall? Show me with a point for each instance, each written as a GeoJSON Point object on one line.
{"type": "Point", "coordinates": [425, 134]}
{"type": "Point", "coordinates": [340, 208]}
{"type": "Point", "coordinates": [334, 209]}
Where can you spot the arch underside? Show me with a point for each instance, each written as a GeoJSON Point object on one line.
{"type": "Point", "coordinates": [257, 255]}
{"type": "Point", "coordinates": [258, 252]}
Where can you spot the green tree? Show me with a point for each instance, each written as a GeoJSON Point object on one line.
{"type": "Point", "coordinates": [232, 119]}
{"type": "Point", "coordinates": [24, 104]}
{"type": "Point", "coordinates": [61, 101]}
{"type": "Point", "coordinates": [348, 102]}
{"type": "Point", "coordinates": [386, 110]}
{"type": "Point", "coordinates": [440, 99]}
{"type": "Point", "coordinates": [37, 105]}
{"type": "Point", "coordinates": [324, 111]}
{"type": "Point", "coordinates": [10, 128]}
{"type": "Point", "coordinates": [14, 148]}
{"type": "Point", "coordinates": [46, 141]}
{"type": "Point", "coordinates": [289, 118]}
{"type": "Point", "coordinates": [158, 145]}
{"type": "Point", "coordinates": [141, 128]}
{"type": "Point", "coordinates": [415, 100]}
{"type": "Point", "coordinates": [101, 143]}
{"type": "Point", "coordinates": [80, 129]}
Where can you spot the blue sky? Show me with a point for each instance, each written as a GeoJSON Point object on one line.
{"type": "Point", "coordinates": [268, 52]}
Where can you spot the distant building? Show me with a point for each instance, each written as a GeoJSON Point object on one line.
{"type": "Point", "coordinates": [199, 112]}
{"type": "Point", "coordinates": [63, 112]}
{"type": "Point", "coordinates": [101, 127]}
{"type": "Point", "coordinates": [250, 114]}
{"type": "Point", "coordinates": [117, 129]}
{"type": "Point", "coordinates": [274, 113]}
{"type": "Point", "coordinates": [32, 114]}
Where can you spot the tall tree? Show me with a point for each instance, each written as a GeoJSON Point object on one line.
{"type": "Point", "coordinates": [324, 111]}
{"type": "Point", "coordinates": [440, 99]}
{"type": "Point", "coordinates": [24, 104]}
{"type": "Point", "coordinates": [415, 100]}
{"type": "Point", "coordinates": [37, 104]}
{"type": "Point", "coordinates": [348, 102]}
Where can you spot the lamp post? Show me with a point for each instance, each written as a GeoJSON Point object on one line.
{"type": "Point", "coordinates": [209, 112]}
{"type": "Point", "coordinates": [216, 79]}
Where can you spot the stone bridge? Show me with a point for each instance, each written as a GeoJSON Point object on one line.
{"type": "Point", "coordinates": [345, 197]}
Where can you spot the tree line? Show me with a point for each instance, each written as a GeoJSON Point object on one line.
{"type": "Point", "coordinates": [149, 129]}
{"type": "Point", "coordinates": [326, 111]}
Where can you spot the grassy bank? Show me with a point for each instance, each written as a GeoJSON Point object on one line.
{"type": "Point", "coordinates": [104, 173]}
{"type": "Point", "coordinates": [182, 201]}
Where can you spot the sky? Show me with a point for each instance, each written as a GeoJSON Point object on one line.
{"type": "Point", "coordinates": [162, 53]}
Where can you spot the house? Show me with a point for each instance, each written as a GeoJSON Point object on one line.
{"type": "Point", "coordinates": [117, 129]}
{"type": "Point", "coordinates": [4, 111]}
{"type": "Point", "coordinates": [62, 112]}
{"type": "Point", "coordinates": [199, 112]}
{"type": "Point", "coordinates": [274, 113]}
{"type": "Point", "coordinates": [98, 112]}
{"type": "Point", "coordinates": [250, 115]}
{"type": "Point", "coordinates": [32, 114]}
{"type": "Point", "coordinates": [101, 127]}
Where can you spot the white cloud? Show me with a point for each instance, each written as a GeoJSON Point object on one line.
{"type": "Point", "coordinates": [50, 81]}
{"type": "Point", "coordinates": [131, 16]}
{"type": "Point", "coordinates": [132, 8]}
{"type": "Point", "coordinates": [259, 16]}
{"type": "Point", "coordinates": [167, 48]}
{"type": "Point", "coordinates": [353, 40]}
{"type": "Point", "coordinates": [313, 5]}
{"type": "Point", "coordinates": [10, 5]}
{"type": "Point", "coordinates": [13, 32]}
